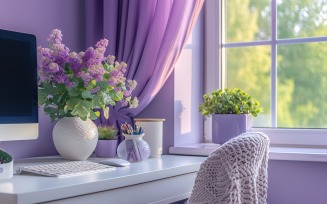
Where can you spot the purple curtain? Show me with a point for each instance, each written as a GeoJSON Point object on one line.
{"type": "Point", "coordinates": [148, 35]}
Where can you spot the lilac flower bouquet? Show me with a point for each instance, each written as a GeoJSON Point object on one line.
{"type": "Point", "coordinates": [79, 84]}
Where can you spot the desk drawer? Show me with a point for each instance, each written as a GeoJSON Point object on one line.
{"type": "Point", "coordinates": [161, 191]}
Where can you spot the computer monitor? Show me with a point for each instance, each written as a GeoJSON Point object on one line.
{"type": "Point", "coordinates": [18, 86]}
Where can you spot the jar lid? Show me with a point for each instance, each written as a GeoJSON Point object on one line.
{"type": "Point", "coordinates": [149, 119]}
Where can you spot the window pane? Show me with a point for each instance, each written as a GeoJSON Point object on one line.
{"type": "Point", "coordinates": [248, 68]}
{"type": "Point", "coordinates": [301, 18]}
{"type": "Point", "coordinates": [247, 20]}
{"type": "Point", "coordinates": [302, 85]}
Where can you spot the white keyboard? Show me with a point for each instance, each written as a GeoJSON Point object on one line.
{"type": "Point", "coordinates": [67, 169]}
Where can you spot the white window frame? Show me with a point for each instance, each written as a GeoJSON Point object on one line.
{"type": "Point", "coordinates": [213, 71]}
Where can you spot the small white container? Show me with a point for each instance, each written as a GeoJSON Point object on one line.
{"type": "Point", "coordinates": [153, 129]}
{"type": "Point", "coordinates": [6, 165]}
{"type": "Point", "coordinates": [6, 170]}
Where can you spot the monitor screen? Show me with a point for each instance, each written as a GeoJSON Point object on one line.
{"type": "Point", "coordinates": [18, 85]}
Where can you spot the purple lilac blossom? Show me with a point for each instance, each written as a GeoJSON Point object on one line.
{"type": "Point", "coordinates": [128, 92]}
{"type": "Point", "coordinates": [90, 58]}
{"type": "Point", "coordinates": [89, 54]}
{"type": "Point", "coordinates": [117, 75]}
{"type": "Point", "coordinates": [110, 59]}
{"type": "Point", "coordinates": [52, 67]}
{"type": "Point", "coordinates": [102, 43]}
{"type": "Point", "coordinates": [135, 103]}
{"type": "Point", "coordinates": [70, 84]}
{"type": "Point", "coordinates": [60, 53]}
{"type": "Point", "coordinates": [44, 52]}
{"type": "Point", "coordinates": [95, 90]}
{"type": "Point", "coordinates": [57, 65]}
{"type": "Point", "coordinates": [55, 37]}
{"type": "Point", "coordinates": [130, 86]}
{"type": "Point", "coordinates": [75, 62]}
{"type": "Point", "coordinates": [61, 78]}
{"type": "Point", "coordinates": [97, 73]}
{"type": "Point", "coordinates": [99, 55]}
{"type": "Point", "coordinates": [85, 76]}
{"type": "Point", "coordinates": [117, 89]}
{"type": "Point", "coordinates": [81, 55]}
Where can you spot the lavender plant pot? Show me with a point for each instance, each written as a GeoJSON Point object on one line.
{"type": "Point", "coordinates": [227, 126]}
{"type": "Point", "coordinates": [106, 148]}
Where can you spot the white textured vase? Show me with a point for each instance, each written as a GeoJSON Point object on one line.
{"type": "Point", "coordinates": [74, 138]}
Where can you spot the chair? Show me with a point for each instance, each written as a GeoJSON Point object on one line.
{"type": "Point", "coordinates": [235, 173]}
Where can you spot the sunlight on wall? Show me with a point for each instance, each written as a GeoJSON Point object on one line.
{"type": "Point", "coordinates": [188, 85]}
{"type": "Point", "coordinates": [183, 91]}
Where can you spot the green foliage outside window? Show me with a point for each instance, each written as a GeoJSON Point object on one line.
{"type": "Point", "coordinates": [301, 68]}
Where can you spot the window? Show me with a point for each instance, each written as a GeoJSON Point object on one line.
{"type": "Point", "coordinates": [276, 51]}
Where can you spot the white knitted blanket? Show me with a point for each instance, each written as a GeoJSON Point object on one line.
{"type": "Point", "coordinates": [235, 173]}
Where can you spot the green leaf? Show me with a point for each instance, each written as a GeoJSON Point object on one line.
{"type": "Point", "coordinates": [106, 76]}
{"type": "Point", "coordinates": [84, 118]}
{"type": "Point", "coordinates": [61, 88]}
{"type": "Point", "coordinates": [66, 108]}
{"type": "Point", "coordinates": [49, 88]}
{"type": "Point", "coordinates": [59, 98]}
{"type": "Point", "coordinates": [103, 85]}
{"type": "Point", "coordinates": [94, 115]}
{"type": "Point", "coordinates": [82, 109]}
{"type": "Point", "coordinates": [72, 103]}
{"type": "Point", "coordinates": [116, 96]}
{"type": "Point", "coordinates": [56, 99]}
{"type": "Point", "coordinates": [42, 96]}
{"type": "Point", "coordinates": [106, 66]}
{"type": "Point", "coordinates": [91, 85]}
{"type": "Point", "coordinates": [87, 94]}
{"type": "Point", "coordinates": [62, 112]}
{"type": "Point", "coordinates": [97, 101]}
{"type": "Point", "coordinates": [108, 100]}
{"type": "Point", "coordinates": [50, 110]}
{"type": "Point", "coordinates": [74, 92]}
{"type": "Point", "coordinates": [66, 68]}
{"type": "Point", "coordinates": [53, 117]}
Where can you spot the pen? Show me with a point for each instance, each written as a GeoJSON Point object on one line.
{"type": "Point", "coordinates": [128, 129]}
{"type": "Point", "coordinates": [141, 131]}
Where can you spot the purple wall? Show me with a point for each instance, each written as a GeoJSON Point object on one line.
{"type": "Point", "coordinates": [295, 182]}
{"type": "Point", "coordinates": [39, 17]}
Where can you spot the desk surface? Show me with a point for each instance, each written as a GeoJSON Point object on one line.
{"type": "Point", "coordinates": [28, 188]}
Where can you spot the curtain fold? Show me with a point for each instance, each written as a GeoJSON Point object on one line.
{"type": "Point", "coordinates": [149, 36]}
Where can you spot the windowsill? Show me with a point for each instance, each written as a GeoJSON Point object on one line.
{"type": "Point", "coordinates": [275, 153]}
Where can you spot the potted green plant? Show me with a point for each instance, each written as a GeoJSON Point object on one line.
{"type": "Point", "coordinates": [231, 111]}
{"type": "Point", "coordinates": [107, 143]}
{"type": "Point", "coordinates": [74, 87]}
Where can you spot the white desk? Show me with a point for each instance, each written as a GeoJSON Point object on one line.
{"type": "Point", "coordinates": [156, 180]}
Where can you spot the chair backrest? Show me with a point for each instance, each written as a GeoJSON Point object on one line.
{"type": "Point", "coordinates": [235, 173]}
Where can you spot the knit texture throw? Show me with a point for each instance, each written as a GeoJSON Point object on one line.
{"type": "Point", "coordinates": [235, 173]}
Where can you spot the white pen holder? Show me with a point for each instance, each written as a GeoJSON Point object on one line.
{"type": "Point", "coordinates": [6, 165]}
{"type": "Point", "coordinates": [133, 148]}
{"type": "Point", "coordinates": [6, 170]}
